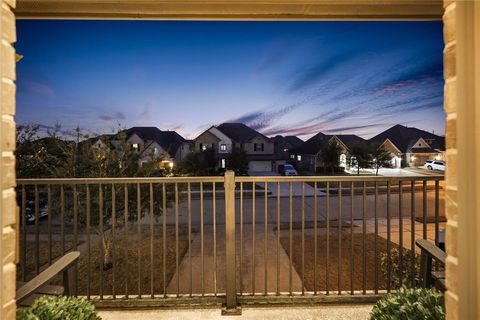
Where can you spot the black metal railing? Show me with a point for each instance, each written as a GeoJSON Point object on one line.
{"type": "Point", "coordinates": [148, 241]}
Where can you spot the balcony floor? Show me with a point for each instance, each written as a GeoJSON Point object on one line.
{"type": "Point", "coordinates": [337, 312]}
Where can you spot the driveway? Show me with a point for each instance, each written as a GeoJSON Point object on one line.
{"type": "Point", "coordinates": [284, 187]}
{"type": "Point", "coordinates": [394, 172]}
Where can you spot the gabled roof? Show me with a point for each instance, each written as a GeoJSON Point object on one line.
{"type": "Point", "coordinates": [281, 141]}
{"type": "Point", "coordinates": [350, 139]}
{"type": "Point", "coordinates": [239, 132]}
{"type": "Point", "coordinates": [312, 145]}
{"type": "Point", "coordinates": [405, 137]}
{"type": "Point", "coordinates": [170, 141]}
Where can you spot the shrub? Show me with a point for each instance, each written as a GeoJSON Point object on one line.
{"type": "Point", "coordinates": [397, 274]}
{"type": "Point", "coordinates": [410, 304]}
{"type": "Point", "coordinates": [58, 308]}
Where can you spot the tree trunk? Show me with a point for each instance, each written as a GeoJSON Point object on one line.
{"type": "Point", "coordinates": [107, 258]}
{"type": "Point", "coordinates": [376, 173]}
{"type": "Point", "coordinates": [107, 252]}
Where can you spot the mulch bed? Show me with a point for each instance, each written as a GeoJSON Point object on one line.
{"type": "Point", "coordinates": [334, 261]}
{"type": "Point", "coordinates": [129, 271]}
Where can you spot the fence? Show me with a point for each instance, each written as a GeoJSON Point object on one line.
{"type": "Point", "coordinates": [238, 240]}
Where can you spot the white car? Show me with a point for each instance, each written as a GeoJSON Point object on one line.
{"type": "Point", "coordinates": [435, 165]}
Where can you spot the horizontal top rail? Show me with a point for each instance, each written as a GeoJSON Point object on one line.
{"type": "Point", "coordinates": [219, 179]}
{"type": "Point", "coordinates": [119, 180]}
{"type": "Point", "coordinates": [337, 179]}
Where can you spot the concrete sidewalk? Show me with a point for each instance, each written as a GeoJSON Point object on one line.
{"type": "Point", "coordinates": [325, 312]}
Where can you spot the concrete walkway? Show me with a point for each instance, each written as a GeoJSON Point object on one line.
{"type": "Point", "coordinates": [330, 312]}
{"type": "Point", "coordinates": [251, 268]}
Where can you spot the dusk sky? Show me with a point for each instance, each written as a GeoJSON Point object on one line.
{"type": "Point", "coordinates": [291, 78]}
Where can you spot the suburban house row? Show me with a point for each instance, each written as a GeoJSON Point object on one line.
{"type": "Point", "coordinates": [408, 146]}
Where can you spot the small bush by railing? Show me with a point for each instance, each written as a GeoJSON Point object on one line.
{"type": "Point", "coordinates": [403, 267]}
{"type": "Point", "coordinates": [58, 308]}
{"type": "Point", "coordinates": [410, 304]}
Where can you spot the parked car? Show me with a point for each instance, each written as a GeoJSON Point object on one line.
{"type": "Point", "coordinates": [30, 211]}
{"type": "Point", "coordinates": [435, 165]}
{"type": "Point", "coordinates": [287, 170]}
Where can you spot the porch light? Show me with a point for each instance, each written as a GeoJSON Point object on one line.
{"type": "Point", "coordinates": [412, 158]}
{"type": "Point", "coordinates": [170, 164]}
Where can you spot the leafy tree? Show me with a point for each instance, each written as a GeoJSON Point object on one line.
{"type": "Point", "coordinates": [360, 157]}
{"type": "Point", "coordinates": [381, 157]}
{"type": "Point", "coordinates": [237, 161]}
{"type": "Point", "coordinates": [55, 157]}
{"type": "Point", "coordinates": [330, 155]}
{"type": "Point", "coordinates": [199, 163]}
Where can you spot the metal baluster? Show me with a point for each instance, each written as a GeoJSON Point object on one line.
{"type": "Point", "coordinates": [151, 242]}
{"type": "Point", "coordinates": [177, 258]}
{"type": "Point", "coordinates": [49, 223]}
{"type": "Point", "coordinates": [114, 221]}
{"type": "Point", "coordinates": [24, 235]}
{"type": "Point", "coordinates": [352, 202]}
{"type": "Point", "coordinates": [291, 243]}
{"type": "Point", "coordinates": [437, 207]}
{"type": "Point", "coordinates": [389, 244]}
{"type": "Point", "coordinates": [62, 217]}
{"type": "Point", "coordinates": [303, 238]}
{"type": "Point", "coordinates": [400, 227]}
{"type": "Point", "coordinates": [278, 238]}
{"type": "Point", "coordinates": [37, 235]}
{"type": "Point", "coordinates": [125, 215]}
{"type": "Point", "coordinates": [265, 235]}
{"type": "Point", "coordinates": [327, 264]}
{"type": "Point", "coordinates": [253, 238]}
{"type": "Point", "coordinates": [339, 237]}
{"type": "Point", "coordinates": [75, 235]}
{"type": "Point", "coordinates": [412, 233]}
{"type": "Point", "coordinates": [190, 235]}
{"type": "Point", "coordinates": [376, 236]}
{"type": "Point", "coordinates": [102, 238]}
{"type": "Point", "coordinates": [424, 209]}
{"type": "Point", "coordinates": [88, 242]}
{"type": "Point", "coordinates": [364, 238]}
{"type": "Point", "coordinates": [201, 240]}
{"type": "Point", "coordinates": [214, 239]}
{"type": "Point", "coordinates": [164, 238]}
{"type": "Point", "coordinates": [139, 235]}
{"type": "Point", "coordinates": [241, 238]}
{"type": "Point", "coordinates": [315, 235]}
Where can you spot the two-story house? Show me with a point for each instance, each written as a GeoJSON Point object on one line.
{"type": "Point", "coordinates": [154, 144]}
{"type": "Point", "coordinates": [259, 148]}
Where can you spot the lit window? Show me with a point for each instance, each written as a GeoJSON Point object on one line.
{"type": "Point", "coordinates": [222, 163]}
{"type": "Point", "coordinates": [135, 146]}
{"type": "Point", "coordinates": [292, 156]}
{"type": "Point", "coordinates": [299, 157]}
{"type": "Point", "coordinates": [204, 147]}
{"type": "Point", "coordinates": [223, 147]}
{"type": "Point", "coordinates": [155, 151]}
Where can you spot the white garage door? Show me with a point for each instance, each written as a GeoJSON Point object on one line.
{"type": "Point", "coordinates": [260, 166]}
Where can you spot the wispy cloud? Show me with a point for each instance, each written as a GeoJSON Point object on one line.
{"type": "Point", "coordinates": [36, 87]}
{"type": "Point", "coordinates": [118, 116]}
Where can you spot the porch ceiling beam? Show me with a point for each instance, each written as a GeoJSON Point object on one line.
{"type": "Point", "coordinates": [231, 9]}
